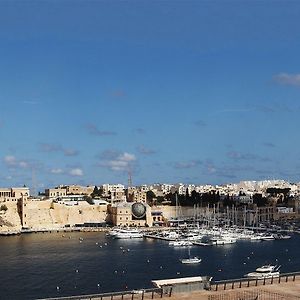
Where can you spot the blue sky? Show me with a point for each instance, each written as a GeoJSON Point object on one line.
{"type": "Point", "coordinates": [172, 91]}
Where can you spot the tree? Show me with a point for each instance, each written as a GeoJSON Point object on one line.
{"type": "Point", "coordinates": [150, 196]}
{"type": "Point", "coordinates": [95, 192]}
{"type": "Point", "coordinates": [3, 207]}
{"type": "Point", "coordinates": [88, 199]}
{"type": "Point", "coordinates": [259, 200]}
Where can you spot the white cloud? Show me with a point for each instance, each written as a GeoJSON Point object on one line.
{"type": "Point", "coordinates": [23, 164]}
{"type": "Point", "coordinates": [288, 79]}
{"type": "Point", "coordinates": [120, 162]}
{"type": "Point", "coordinates": [56, 171]}
{"type": "Point", "coordinates": [76, 172]}
{"type": "Point", "coordinates": [11, 161]}
{"type": "Point", "coordinates": [126, 157]}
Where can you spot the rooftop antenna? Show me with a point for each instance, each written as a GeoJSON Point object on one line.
{"type": "Point", "coordinates": [129, 178]}
{"type": "Point", "coordinates": [129, 183]}
{"type": "Point", "coordinates": [33, 181]}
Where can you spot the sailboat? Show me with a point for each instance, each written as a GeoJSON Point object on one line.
{"type": "Point", "coordinates": [191, 260]}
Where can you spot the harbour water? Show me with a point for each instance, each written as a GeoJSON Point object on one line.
{"type": "Point", "coordinates": [63, 264]}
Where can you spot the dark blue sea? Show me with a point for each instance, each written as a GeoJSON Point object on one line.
{"type": "Point", "coordinates": [41, 265]}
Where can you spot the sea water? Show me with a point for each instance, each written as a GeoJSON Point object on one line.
{"type": "Point", "coordinates": [43, 265]}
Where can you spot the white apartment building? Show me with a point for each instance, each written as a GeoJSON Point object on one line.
{"type": "Point", "coordinates": [112, 188]}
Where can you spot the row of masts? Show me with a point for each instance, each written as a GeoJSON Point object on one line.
{"type": "Point", "coordinates": [213, 215]}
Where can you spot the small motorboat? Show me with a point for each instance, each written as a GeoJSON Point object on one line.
{"type": "Point", "coordinates": [191, 260]}
{"type": "Point", "coordinates": [266, 271]}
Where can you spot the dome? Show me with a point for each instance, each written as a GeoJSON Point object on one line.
{"type": "Point", "coordinates": [138, 210]}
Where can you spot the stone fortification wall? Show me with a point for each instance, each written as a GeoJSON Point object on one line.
{"type": "Point", "coordinates": [48, 215]}
{"type": "Point", "coordinates": [10, 219]}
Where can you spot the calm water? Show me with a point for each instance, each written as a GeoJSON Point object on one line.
{"type": "Point", "coordinates": [33, 266]}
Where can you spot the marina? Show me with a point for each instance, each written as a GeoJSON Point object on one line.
{"type": "Point", "coordinates": [74, 263]}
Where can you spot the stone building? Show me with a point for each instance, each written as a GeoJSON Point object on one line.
{"type": "Point", "coordinates": [130, 214]}
{"type": "Point", "coordinates": [13, 194]}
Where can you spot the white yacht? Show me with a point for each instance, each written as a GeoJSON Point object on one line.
{"type": "Point", "coordinates": [268, 237]}
{"type": "Point", "coordinates": [191, 260]}
{"type": "Point", "coordinates": [223, 240]}
{"type": "Point", "coordinates": [266, 271]}
{"type": "Point", "coordinates": [128, 234]}
{"type": "Point", "coordinates": [181, 243]}
{"type": "Point", "coordinates": [113, 232]}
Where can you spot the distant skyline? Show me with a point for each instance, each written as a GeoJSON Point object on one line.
{"type": "Point", "coordinates": [172, 91]}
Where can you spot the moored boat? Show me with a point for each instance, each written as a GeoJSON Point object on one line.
{"type": "Point", "coordinates": [266, 271]}
{"type": "Point", "coordinates": [128, 234]}
{"type": "Point", "coordinates": [181, 243]}
{"type": "Point", "coordinates": [191, 260]}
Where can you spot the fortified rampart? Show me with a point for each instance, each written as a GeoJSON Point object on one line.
{"type": "Point", "coordinates": [46, 214]}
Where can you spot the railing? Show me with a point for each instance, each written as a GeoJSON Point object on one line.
{"type": "Point", "coordinates": [252, 295]}
{"type": "Point", "coordinates": [132, 295]}
{"type": "Point", "coordinates": [247, 282]}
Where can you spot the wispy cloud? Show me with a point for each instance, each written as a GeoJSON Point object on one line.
{"type": "Point", "coordinates": [269, 144]}
{"type": "Point", "coordinates": [187, 164]}
{"type": "Point", "coordinates": [209, 167]}
{"type": "Point", "coordinates": [237, 156]}
{"type": "Point", "coordinates": [70, 152]}
{"type": "Point", "coordinates": [224, 171]}
{"type": "Point", "coordinates": [140, 130]}
{"type": "Point", "coordinates": [94, 130]}
{"type": "Point", "coordinates": [274, 108]}
{"type": "Point", "coordinates": [145, 151]}
{"type": "Point", "coordinates": [57, 171]}
{"type": "Point", "coordinates": [77, 172]}
{"type": "Point", "coordinates": [117, 161]}
{"type": "Point", "coordinates": [13, 162]}
{"type": "Point", "coordinates": [30, 102]}
{"type": "Point", "coordinates": [200, 123]}
{"type": "Point", "coordinates": [287, 79]}
{"type": "Point", "coordinates": [47, 147]}
{"type": "Point", "coordinates": [232, 110]}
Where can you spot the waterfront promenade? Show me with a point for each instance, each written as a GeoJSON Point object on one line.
{"type": "Point", "coordinates": [283, 291]}
{"type": "Point", "coordinates": [285, 288]}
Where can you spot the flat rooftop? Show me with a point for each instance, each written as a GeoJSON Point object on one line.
{"type": "Point", "coordinates": [160, 283]}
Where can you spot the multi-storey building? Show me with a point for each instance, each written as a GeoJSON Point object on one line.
{"type": "Point", "coordinates": [56, 192]}
{"type": "Point", "coordinates": [14, 193]}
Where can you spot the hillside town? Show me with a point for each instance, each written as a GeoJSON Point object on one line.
{"type": "Point", "coordinates": [252, 203]}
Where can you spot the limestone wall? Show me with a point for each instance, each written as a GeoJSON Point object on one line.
{"type": "Point", "coordinates": [48, 215]}
{"type": "Point", "coordinates": [10, 219]}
